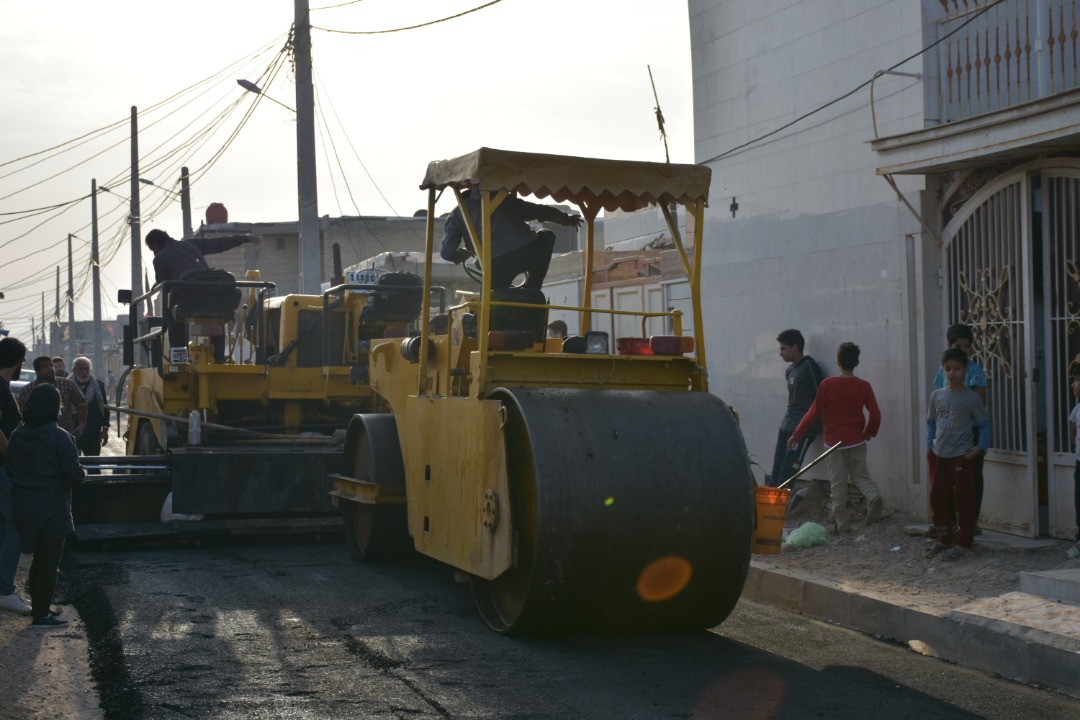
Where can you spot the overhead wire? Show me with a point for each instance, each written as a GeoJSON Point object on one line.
{"type": "Point", "coordinates": [352, 147]}
{"type": "Point", "coordinates": [363, 221]}
{"type": "Point", "coordinates": [86, 137]}
{"type": "Point", "coordinates": [107, 252]}
{"type": "Point", "coordinates": [31, 211]}
{"type": "Point", "coordinates": [333, 7]}
{"type": "Point", "coordinates": [114, 232]}
{"type": "Point", "coordinates": [410, 27]}
{"type": "Point", "coordinates": [327, 146]}
{"type": "Point", "coordinates": [92, 135]}
{"type": "Point", "coordinates": [854, 90]}
{"type": "Point", "coordinates": [205, 133]}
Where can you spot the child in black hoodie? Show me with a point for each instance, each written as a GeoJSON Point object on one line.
{"type": "Point", "coordinates": [43, 463]}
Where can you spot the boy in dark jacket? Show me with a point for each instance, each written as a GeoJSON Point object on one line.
{"type": "Point", "coordinates": [43, 463]}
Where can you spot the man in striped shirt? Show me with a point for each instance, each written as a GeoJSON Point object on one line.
{"type": "Point", "coordinates": [72, 403]}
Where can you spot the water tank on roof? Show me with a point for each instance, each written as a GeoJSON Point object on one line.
{"type": "Point", "coordinates": [216, 213]}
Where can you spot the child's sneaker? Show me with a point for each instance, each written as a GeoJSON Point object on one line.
{"type": "Point", "coordinates": [1074, 552]}
{"type": "Point", "coordinates": [956, 552]}
{"type": "Point", "coordinates": [875, 509]}
{"type": "Point", "coordinates": [936, 549]}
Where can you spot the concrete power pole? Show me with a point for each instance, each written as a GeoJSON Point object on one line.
{"type": "Point", "coordinates": [70, 307]}
{"type": "Point", "coordinates": [136, 229]}
{"type": "Point", "coordinates": [99, 351]}
{"type": "Point", "coordinates": [54, 336]}
{"type": "Point", "coordinates": [185, 202]}
{"type": "Point", "coordinates": [310, 242]}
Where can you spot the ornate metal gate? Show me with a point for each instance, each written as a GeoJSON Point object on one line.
{"type": "Point", "coordinates": [1061, 223]}
{"type": "Point", "coordinates": [988, 265]}
{"type": "Point", "coordinates": [1012, 263]}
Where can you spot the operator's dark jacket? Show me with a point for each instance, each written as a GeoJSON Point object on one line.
{"type": "Point", "coordinates": [97, 415]}
{"type": "Point", "coordinates": [177, 257]}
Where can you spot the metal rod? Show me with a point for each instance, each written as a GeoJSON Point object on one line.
{"type": "Point", "coordinates": [809, 465]}
{"type": "Point", "coordinates": [215, 426]}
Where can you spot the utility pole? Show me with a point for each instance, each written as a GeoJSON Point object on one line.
{"type": "Point", "coordinates": [99, 350]}
{"type": "Point", "coordinates": [71, 306]}
{"type": "Point", "coordinates": [133, 221]}
{"type": "Point", "coordinates": [44, 323]}
{"type": "Point", "coordinates": [54, 336]}
{"type": "Point", "coordinates": [185, 202]}
{"type": "Point", "coordinates": [310, 242]}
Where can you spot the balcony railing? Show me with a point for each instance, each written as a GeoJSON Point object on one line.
{"type": "Point", "coordinates": [1008, 53]}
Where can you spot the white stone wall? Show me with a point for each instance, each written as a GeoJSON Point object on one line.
{"type": "Point", "coordinates": [819, 242]}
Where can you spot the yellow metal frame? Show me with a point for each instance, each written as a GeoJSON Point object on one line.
{"type": "Point", "coordinates": [450, 434]}
{"type": "Point", "coordinates": [289, 395]}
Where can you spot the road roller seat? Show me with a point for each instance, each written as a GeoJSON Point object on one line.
{"type": "Point", "coordinates": [531, 319]}
{"type": "Point", "coordinates": [216, 297]}
{"type": "Point", "coordinates": [398, 298]}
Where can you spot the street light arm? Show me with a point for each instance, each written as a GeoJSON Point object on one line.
{"type": "Point", "coordinates": [253, 88]}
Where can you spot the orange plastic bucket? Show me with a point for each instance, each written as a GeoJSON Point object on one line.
{"type": "Point", "coordinates": [771, 508]}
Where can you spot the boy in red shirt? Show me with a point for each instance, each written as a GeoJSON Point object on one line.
{"type": "Point", "coordinates": [841, 401]}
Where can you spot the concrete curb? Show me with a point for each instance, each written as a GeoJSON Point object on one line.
{"type": "Point", "coordinates": [1003, 648]}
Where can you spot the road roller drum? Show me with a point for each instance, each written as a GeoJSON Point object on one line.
{"type": "Point", "coordinates": [633, 511]}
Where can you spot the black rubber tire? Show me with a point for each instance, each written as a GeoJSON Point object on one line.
{"type": "Point", "coordinates": [377, 533]}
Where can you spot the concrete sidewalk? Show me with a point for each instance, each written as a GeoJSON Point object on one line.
{"type": "Point", "coordinates": [1032, 636]}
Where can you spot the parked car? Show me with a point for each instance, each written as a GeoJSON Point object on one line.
{"type": "Point", "coordinates": [25, 378]}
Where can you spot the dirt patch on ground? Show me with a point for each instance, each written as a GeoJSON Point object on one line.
{"type": "Point", "coordinates": [885, 561]}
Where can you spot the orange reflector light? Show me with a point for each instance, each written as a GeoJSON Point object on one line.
{"type": "Point", "coordinates": [664, 578]}
{"type": "Point", "coordinates": [510, 339]}
{"type": "Point", "coordinates": [632, 346]}
{"type": "Point", "coordinates": [671, 344]}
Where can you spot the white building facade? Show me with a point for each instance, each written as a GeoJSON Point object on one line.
{"type": "Point", "coordinates": [882, 169]}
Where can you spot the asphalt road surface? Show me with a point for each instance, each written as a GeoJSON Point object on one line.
{"type": "Point", "coordinates": [302, 631]}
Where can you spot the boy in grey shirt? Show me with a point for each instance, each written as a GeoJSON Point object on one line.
{"type": "Point", "coordinates": [954, 412]}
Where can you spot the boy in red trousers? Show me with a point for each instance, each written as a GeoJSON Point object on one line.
{"type": "Point", "coordinates": [954, 412]}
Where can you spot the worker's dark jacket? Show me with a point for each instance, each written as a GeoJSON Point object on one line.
{"type": "Point", "coordinates": [97, 415]}
{"type": "Point", "coordinates": [180, 256]}
{"type": "Point", "coordinates": [43, 465]}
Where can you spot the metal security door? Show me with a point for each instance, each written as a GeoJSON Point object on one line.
{"type": "Point", "coordinates": [1061, 243]}
{"type": "Point", "coordinates": [988, 265]}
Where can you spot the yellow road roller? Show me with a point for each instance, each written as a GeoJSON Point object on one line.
{"type": "Point", "coordinates": [586, 484]}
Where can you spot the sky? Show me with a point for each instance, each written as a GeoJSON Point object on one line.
{"type": "Point", "coordinates": [560, 76]}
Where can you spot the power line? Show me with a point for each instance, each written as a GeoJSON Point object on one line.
{"type": "Point", "coordinates": [352, 147]}
{"type": "Point", "coordinates": [411, 27]}
{"type": "Point", "coordinates": [333, 7]}
{"type": "Point", "coordinates": [854, 90]}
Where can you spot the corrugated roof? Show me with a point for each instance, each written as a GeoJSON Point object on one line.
{"type": "Point", "coordinates": [614, 184]}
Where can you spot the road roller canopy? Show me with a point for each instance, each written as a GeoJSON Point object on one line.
{"type": "Point", "coordinates": [613, 184]}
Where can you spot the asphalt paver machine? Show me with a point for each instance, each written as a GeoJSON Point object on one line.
{"type": "Point", "coordinates": [238, 429]}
